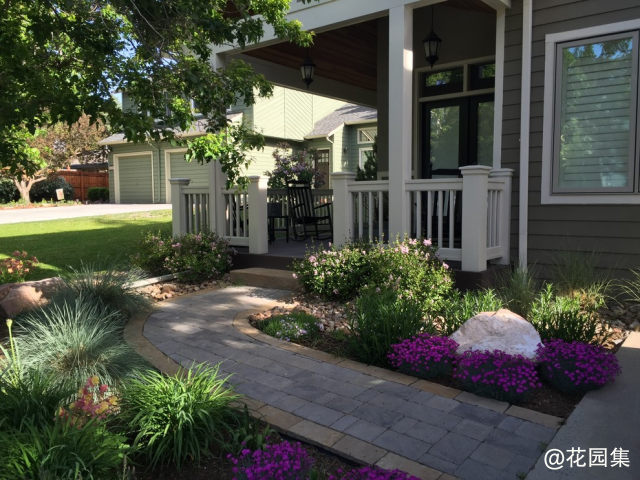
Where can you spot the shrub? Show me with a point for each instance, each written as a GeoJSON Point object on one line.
{"type": "Point", "coordinates": [8, 191]}
{"type": "Point", "coordinates": [279, 461]}
{"type": "Point", "coordinates": [178, 417]}
{"type": "Point", "coordinates": [575, 366]}
{"type": "Point", "coordinates": [94, 400]}
{"type": "Point", "coordinates": [16, 267]}
{"type": "Point", "coordinates": [518, 289]}
{"type": "Point", "coordinates": [292, 326]}
{"type": "Point", "coordinates": [497, 375]}
{"type": "Point", "coordinates": [154, 249]}
{"type": "Point", "coordinates": [425, 356]}
{"type": "Point", "coordinates": [46, 189]}
{"type": "Point", "coordinates": [62, 451]}
{"type": "Point", "coordinates": [382, 318]}
{"type": "Point", "coordinates": [565, 318]}
{"type": "Point", "coordinates": [246, 433]}
{"type": "Point", "coordinates": [372, 473]}
{"type": "Point", "coordinates": [292, 167]}
{"type": "Point", "coordinates": [74, 340]}
{"type": "Point", "coordinates": [459, 308]}
{"type": "Point", "coordinates": [98, 194]}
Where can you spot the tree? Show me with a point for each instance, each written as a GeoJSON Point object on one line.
{"type": "Point", "coordinates": [60, 58]}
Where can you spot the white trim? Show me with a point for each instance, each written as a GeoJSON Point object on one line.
{"type": "Point", "coordinates": [360, 152]}
{"type": "Point", "coordinates": [167, 170]}
{"type": "Point", "coordinates": [116, 171]}
{"type": "Point", "coordinates": [525, 119]}
{"type": "Point", "coordinates": [362, 130]}
{"type": "Point", "coordinates": [498, 89]}
{"type": "Point", "coordinates": [547, 197]}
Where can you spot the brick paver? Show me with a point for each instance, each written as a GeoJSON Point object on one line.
{"type": "Point", "coordinates": [343, 404]}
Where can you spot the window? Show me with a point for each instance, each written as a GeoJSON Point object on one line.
{"type": "Point", "coordinates": [590, 152]}
{"type": "Point", "coordinates": [367, 135]}
{"type": "Point", "coordinates": [322, 166]}
{"type": "Point", "coordinates": [363, 155]}
{"type": "Point", "coordinates": [442, 82]}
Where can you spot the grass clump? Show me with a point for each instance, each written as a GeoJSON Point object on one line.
{"type": "Point", "coordinates": [292, 326]}
{"type": "Point", "coordinates": [518, 290]}
{"type": "Point", "coordinates": [461, 307]}
{"type": "Point", "coordinates": [177, 418]}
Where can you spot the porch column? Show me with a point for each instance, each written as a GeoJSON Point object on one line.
{"type": "Point", "coordinates": [342, 207]}
{"type": "Point", "coordinates": [400, 125]}
{"type": "Point", "coordinates": [178, 206]}
{"type": "Point", "coordinates": [258, 235]}
{"type": "Point", "coordinates": [475, 193]}
{"type": "Point", "coordinates": [217, 183]}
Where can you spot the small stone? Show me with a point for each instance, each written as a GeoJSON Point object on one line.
{"type": "Point", "coordinates": [635, 326]}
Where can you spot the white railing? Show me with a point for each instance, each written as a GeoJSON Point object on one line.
{"type": "Point", "coordinates": [278, 204]}
{"type": "Point", "coordinates": [235, 224]}
{"type": "Point", "coordinates": [370, 204]}
{"type": "Point", "coordinates": [197, 216]}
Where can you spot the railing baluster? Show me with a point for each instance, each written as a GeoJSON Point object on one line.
{"type": "Point", "coordinates": [380, 214]}
{"type": "Point", "coordinates": [452, 205]}
{"type": "Point", "coordinates": [370, 207]}
{"type": "Point", "coordinates": [230, 213]}
{"type": "Point", "coordinates": [360, 216]}
{"type": "Point", "coordinates": [244, 217]}
{"type": "Point", "coordinates": [440, 200]}
{"type": "Point", "coordinates": [197, 212]}
{"type": "Point", "coordinates": [418, 195]}
{"type": "Point", "coordinates": [430, 214]}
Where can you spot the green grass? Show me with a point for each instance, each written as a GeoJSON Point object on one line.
{"type": "Point", "coordinates": [60, 244]}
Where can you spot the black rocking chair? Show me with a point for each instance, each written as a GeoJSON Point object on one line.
{"type": "Point", "coordinates": [305, 215]}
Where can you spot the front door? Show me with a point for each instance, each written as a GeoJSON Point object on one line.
{"type": "Point", "coordinates": [455, 133]}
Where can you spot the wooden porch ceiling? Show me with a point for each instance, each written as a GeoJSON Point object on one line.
{"type": "Point", "coordinates": [347, 54]}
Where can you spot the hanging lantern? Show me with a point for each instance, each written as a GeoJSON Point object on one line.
{"type": "Point", "coordinates": [307, 70]}
{"type": "Point", "coordinates": [431, 44]}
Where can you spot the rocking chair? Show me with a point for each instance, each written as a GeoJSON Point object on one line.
{"type": "Point", "coordinates": [307, 218]}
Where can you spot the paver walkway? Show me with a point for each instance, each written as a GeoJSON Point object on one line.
{"type": "Point", "coordinates": [380, 421]}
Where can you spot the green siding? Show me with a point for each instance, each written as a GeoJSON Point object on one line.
{"type": "Point", "coordinates": [135, 181]}
{"type": "Point", "coordinates": [197, 173]}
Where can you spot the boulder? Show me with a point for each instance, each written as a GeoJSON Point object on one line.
{"type": "Point", "coordinates": [18, 297]}
{"type": "Point", "coordinates": [501, 330]}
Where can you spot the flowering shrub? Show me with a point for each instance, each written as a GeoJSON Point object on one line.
{"type": "Point", "coordinates": [292, 326]}
{"type": "Point", "coordinates": [497, 374]}
{"type": "Point", "coordinates": [280, 461]}
{"type": "Point", "coordinates": [292, 167]}
{"type": "Point", "coordinates": [94, 401]}
{"type": "Point", "coordinates": [372, 473]}
{"type": "Point", "coordinates": [410, 267]}
{"type": "Point", "coordinates": [576, 366]}
{"type": "Point", "coordinates": [194, 256]}
{"type": "Point", "coordinates": [425, 355]}
{"type": "Point", "coordinates": [16, 267]}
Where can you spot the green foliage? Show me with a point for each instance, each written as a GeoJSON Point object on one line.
{"type": "Point", "coordinates": [16, 267]}
{"type": "Point", "coordinates": [153, 249]}
{"type": "Point", "coordinates": [246, 433]}
{"type": "Point", "coordinates": [370, 167]}
{"type": "Point", "coordinates": [630, 287]}
{"type": "Point", "coordinates": [18, 158]}
{"type": "Point", "coordinates": [382, 318]}
{"type": "Point", "coordinates": [518, 290]}
{"type": "Point", "coordinates": [577, 272]}
{"type": "Point", "coordinates": [292, 326]}
{"type": "Point", "coordinates": [8, 191]}
{"type": "Point", "coordinates": [62, 451]}
{"type": "Point", "coordinates": [177, 418]}
{"type": "Point", "coordinates": [46, 189]}
{"type": "Point", "coordinates": [75, 339]}
{"type": "Point", "coordinates": [461, 307]}
{"type": "Point", "coordinates": [293, 167]}
{"type": "Point", "coordinates": [98, 194]}
{"type": "Point", "coordinates": [565, 318]}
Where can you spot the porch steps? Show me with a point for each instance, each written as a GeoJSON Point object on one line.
{"type": "Point", "coordinates": [265, 277]}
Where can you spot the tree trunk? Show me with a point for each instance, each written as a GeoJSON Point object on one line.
{"type": "Point", "coordinates": [24, 187]}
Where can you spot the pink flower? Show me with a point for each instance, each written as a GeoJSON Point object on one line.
{"type": "Point", "coordinates": [426, 242]}
{"type": "Point", "coordinates": [294, 275]}
{"type": "Point", "coordinates": [446, 266]}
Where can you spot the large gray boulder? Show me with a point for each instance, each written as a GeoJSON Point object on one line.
{"type": "Point", "coordinates": [501, 330]}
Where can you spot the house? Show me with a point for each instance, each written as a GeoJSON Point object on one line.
{"type": "Point", "coordinates": [139, 173]}
{"type": "Point", "coordinates": [533, 102]}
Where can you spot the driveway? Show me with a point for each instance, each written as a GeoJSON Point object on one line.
{"type": "Point", "coordinates": [40, 214]}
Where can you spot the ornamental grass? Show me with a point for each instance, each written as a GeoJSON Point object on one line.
{"type": "Point", "coordinates": [575, 367]}
{"type": "Point", "coordinates": [424, 355]}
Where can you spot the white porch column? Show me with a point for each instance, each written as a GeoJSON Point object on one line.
{"type": "Point", "coordinates": [475, 186]}
{"type": "Point", "coordinates": [218, 210]}
{"type": "Point", "coordinates": [342, 207]}
{"type": "Point", "coordinates": [400, 108]}
{"type": "Point", "coordinates": [258, 235]}
{"type": "Point", "coordinates": [178, 206]}
{"type": "Point", "coordinates": [504, 234]}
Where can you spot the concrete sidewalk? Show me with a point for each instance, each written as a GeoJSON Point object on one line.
{"type": "Point", "coordinates": [368, 414]}
{"type": "Point", "coordinates": [40, 214]}
{"type": "Point", "coordinates": [607, 418]}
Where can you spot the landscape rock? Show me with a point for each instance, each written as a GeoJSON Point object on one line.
{"type": "Point", "coordinates": [501, 330]}
{"type": "Point", "coordinates": [16, 298]}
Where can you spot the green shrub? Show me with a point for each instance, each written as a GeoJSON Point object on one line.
{"type": "Point", "coordinates": [46, 189]}
{"type": "Point", "coordinates": [60, 450]}
{"type": "Point", "coordinates": [8, 191]}
{"type": "Point", "coordinates": [630, 287]}
{"type": "Point", "coordinates": [152, 252]}
{"type": "Point", "coordinates": [74, 340]}
{"type": "Point", "coordinates": [409, 266]}
{"type": "Point", "coordinates": [292, 326]}
{"type": "Point", "coordinates": [459, 308]}
{"type": "Point", "coordinates": [246, 433]}
{"type": "Point", "coordinates": [518, 290]}
{"type": "Point", "coordinates": [177, 418]}
{"type": "Point", "coordinates": [382, 318]}
{"type": "Point", "coordinates": [16, 267]}
{"type": "Point", "coordinates": [565, 318]}
{"type": "Point", "coordinates": [98, 194]}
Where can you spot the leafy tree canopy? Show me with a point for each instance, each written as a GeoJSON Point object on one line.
{"type": "Point", "coordinates": [62, 58]}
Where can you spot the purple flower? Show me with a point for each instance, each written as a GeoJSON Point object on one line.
{"type": "Point", "coordinates": [425, 355]}
{"type": "Point", "coordinates": [372, 473]}
{"type": "Point", "coordinates": [280, 461]}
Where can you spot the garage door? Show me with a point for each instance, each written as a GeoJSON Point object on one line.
{"type": "Point", "coordinates": [199, 174]}
{"type": "Point", "coordinates": [135, 179]}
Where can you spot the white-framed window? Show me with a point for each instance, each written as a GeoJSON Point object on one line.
{"type": "Point", "coordinates": [367, 135]}
{"type": "Point", "coordinates": [363, 154]}
{"type": "Point", "coordinates": [590, 136]}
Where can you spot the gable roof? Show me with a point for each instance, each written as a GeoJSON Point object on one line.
{"type": "Point", "coordinates": [348, 114]}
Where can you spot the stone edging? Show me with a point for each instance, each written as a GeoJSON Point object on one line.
{"type": "Point", "coordinates": [242, 324]}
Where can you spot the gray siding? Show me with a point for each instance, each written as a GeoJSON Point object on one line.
{"type": "Point", "coordinates": [612, 231]}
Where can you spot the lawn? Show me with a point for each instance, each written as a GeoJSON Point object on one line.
{"type": "Point", "coordinates": [59, 244]}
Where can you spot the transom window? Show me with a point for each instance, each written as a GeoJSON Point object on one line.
{"type": "Point", "coordinates": [367, 135]}
{"type": "Point", "coordinates": [591, 136]}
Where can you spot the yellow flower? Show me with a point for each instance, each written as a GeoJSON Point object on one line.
{"type": "Point", "coordinates": [95, 380]}
{"type": "Point", "coordinates": [9, 323]}
{"type": "Point", "coordinates": [113, 400]}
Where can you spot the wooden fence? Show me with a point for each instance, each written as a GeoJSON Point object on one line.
{"type": "Point", "coordinates": [82, 180]}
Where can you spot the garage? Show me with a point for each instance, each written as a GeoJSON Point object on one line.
{"type": "Point", "coordinates": [134, 178]}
